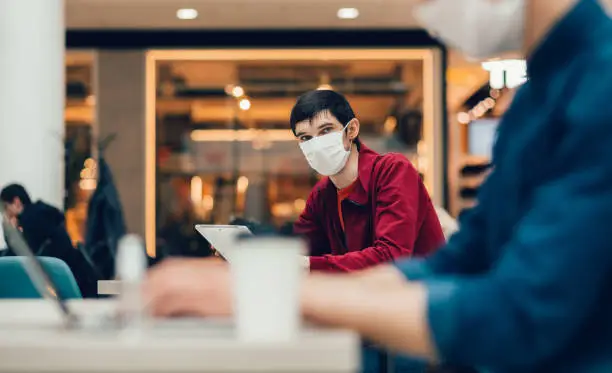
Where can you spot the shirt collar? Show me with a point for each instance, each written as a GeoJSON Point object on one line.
{"type": "Point", "coordinates": [360, 194]}
{"type": "Point", "coordinates": [575, 32]}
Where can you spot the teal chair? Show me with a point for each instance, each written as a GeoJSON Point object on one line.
{"type": "Point", "coordinates": [15, 282]}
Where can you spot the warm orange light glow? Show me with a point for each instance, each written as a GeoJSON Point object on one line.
{"type": "Point", "coordinates": [463, 118]}
{"type": "Point", "coordinates": [237, 91]}
{"type": "Point", "coordinates": [208, 202]}
{"type": "Point", "coordinates": [241, 135]}
{"type": "Point", "coordinates": [196, 190]}
{"type": "Point", "coordinates": [390, 124]}
{"type": "Point", "coordinates": [299, 205]}
{"type": "Point", "coordinates": [150, 122]}
{"type": "Point", "coordinates": [242, 185]}
{"type": "Point", "coordinates": [88, 184]}
{"type": "Point", "coordinates": [245, 104]}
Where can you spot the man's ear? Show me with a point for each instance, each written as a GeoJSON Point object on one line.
{"type": "Point", "coordinates": [353, 129]}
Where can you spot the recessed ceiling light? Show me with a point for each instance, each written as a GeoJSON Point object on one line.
{"type": "Point", "coordinates": [348, 13]}
{"type": "Point", "coordinates": [186, 14]}
{"type": "Point", "coordinates": [244, 104]}
{"type": "Point", "coordinates": [237, 91]}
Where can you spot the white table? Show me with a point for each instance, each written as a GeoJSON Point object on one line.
{"type": "Point", "coordinates": [109, 287]}
{"type": "Point", "coordinates": [31, 341]}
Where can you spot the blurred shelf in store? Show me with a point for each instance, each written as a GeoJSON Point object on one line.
{"type": "Point", "coordinates": [478, 122]}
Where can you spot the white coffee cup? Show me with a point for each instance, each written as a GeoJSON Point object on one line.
{"type": "Point", "coordinates": [266, 274]}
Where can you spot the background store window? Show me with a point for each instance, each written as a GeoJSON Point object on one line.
{"type": "Point", "coordinates": [224, 147]}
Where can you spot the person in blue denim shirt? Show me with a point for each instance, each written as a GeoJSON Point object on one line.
{"type": "Point", "coordinates": [526, 284]}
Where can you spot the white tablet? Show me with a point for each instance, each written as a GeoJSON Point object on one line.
{"type": "Point", "coordinates": [222, 237]}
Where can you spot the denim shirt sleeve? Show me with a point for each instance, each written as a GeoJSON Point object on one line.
{"type": "Point", "coordinates": [550, 276]}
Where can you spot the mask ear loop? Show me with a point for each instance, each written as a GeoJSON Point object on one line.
{"type": "Point", "coordinates": [347, 134]}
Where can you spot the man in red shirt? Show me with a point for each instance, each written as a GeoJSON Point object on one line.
{"type": "Point", "coordinates": [369, 208]}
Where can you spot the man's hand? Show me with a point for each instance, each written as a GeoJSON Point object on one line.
{"type": "Point", "coordinates": [379, 304]}
{"type": "Point", "coordinates": [189, 287]}
{"type": "Point", "coordinates": [381, 277]}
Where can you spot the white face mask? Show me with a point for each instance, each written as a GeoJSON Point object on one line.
{"type": "Point", "coordinates": [326, 154]}
{"type": "Point", "coordinates": [478, 28]}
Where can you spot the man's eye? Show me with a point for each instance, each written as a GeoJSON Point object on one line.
{"type": "Point", "coordinates": [325, 131]}
{"type": "Point", "coordinates": [305, 138]}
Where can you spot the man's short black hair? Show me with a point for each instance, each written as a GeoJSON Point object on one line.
{"type": "Point", "coordinates": [10, 192]}
{"type": "Point", "coordinates": [313, 103]}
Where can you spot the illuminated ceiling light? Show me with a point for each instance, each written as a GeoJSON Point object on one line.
{"type": "Point", "coordinates": [489, 103]}
{"type": "Point", "coordinates": [348, 13]}
{"type": "Point", "coordinates": [90, 163]}
{"type": "Point", "coordinates": [325, 87]}
{"type": "Point", "coordinates": [497, 79]}
{"type": "Point", "coordinates": [463, 118]}
{"type": "Point", "coordinates": [479, 111]}
{"type": "Point", "coordinates": [186, 14]}
{"type": "Point", "coordinates": [196, 189]}
{"type": "Point", "coordinates": [208, 202]}
{"type": "Point", "coordinates": [88, 184]}
{"type": "Point", "coordinates": [482, 106]}
{"type": "Point", "coordinates": [242, 184]}
{"type": "Point", "coordinates": [245, 104]}
{"type": "Point", "coordinates": [506, 73]}
{"type": "Point", "coordinates": [237, 91]}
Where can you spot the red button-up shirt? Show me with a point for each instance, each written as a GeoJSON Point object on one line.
{"type": "Point", "coordinates": [388, 215]}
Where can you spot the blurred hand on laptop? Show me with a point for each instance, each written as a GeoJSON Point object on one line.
{"type": "Point", "coordinates": [189, 287]}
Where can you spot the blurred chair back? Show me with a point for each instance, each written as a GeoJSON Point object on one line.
{"type": "Point", "coordinates": [448, 223]}
{"type": "Point", "coordinates": [15, 282]}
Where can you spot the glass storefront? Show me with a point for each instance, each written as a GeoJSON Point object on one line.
{"type": "Point", "coordinates": [223, 146]}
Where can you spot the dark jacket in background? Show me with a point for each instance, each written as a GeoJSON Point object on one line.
{"type": "Point", "coordinates": [44, 230]}
{"type": "Point", "coordinates": [105, 223]}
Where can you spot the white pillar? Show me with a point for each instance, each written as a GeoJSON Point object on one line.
{"type": "Point", "coordinates": [32, 93]}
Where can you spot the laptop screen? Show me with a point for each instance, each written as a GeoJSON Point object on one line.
{"type": "Point", "coordinates": [42, 280]}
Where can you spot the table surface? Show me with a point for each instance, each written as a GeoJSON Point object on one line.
{"type": "Point", "coordinates": [32, 340]}
{"type": "Point", "coordinates": [109, 287]}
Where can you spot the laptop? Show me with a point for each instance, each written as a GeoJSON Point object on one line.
{"type": "Point", "coordinates": [222, 237]}
{"type": "Point", "coordinates": [111, 320]}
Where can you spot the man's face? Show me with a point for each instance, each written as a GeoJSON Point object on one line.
{"type": "Point", "coordinates": [325, 123]}
{"type": "Point", "coordinates": [13, 209]}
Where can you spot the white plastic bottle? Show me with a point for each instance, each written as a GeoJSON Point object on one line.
{"type": "Point", "coordinates": [131, 268]}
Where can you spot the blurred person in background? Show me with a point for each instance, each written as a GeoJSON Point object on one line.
{"type": "Point", "coordinates": [369, 208]}
{"type": "Point", "coordinates": [44, 230]}
{"type": "Point", "coordinates": [524, 286]}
